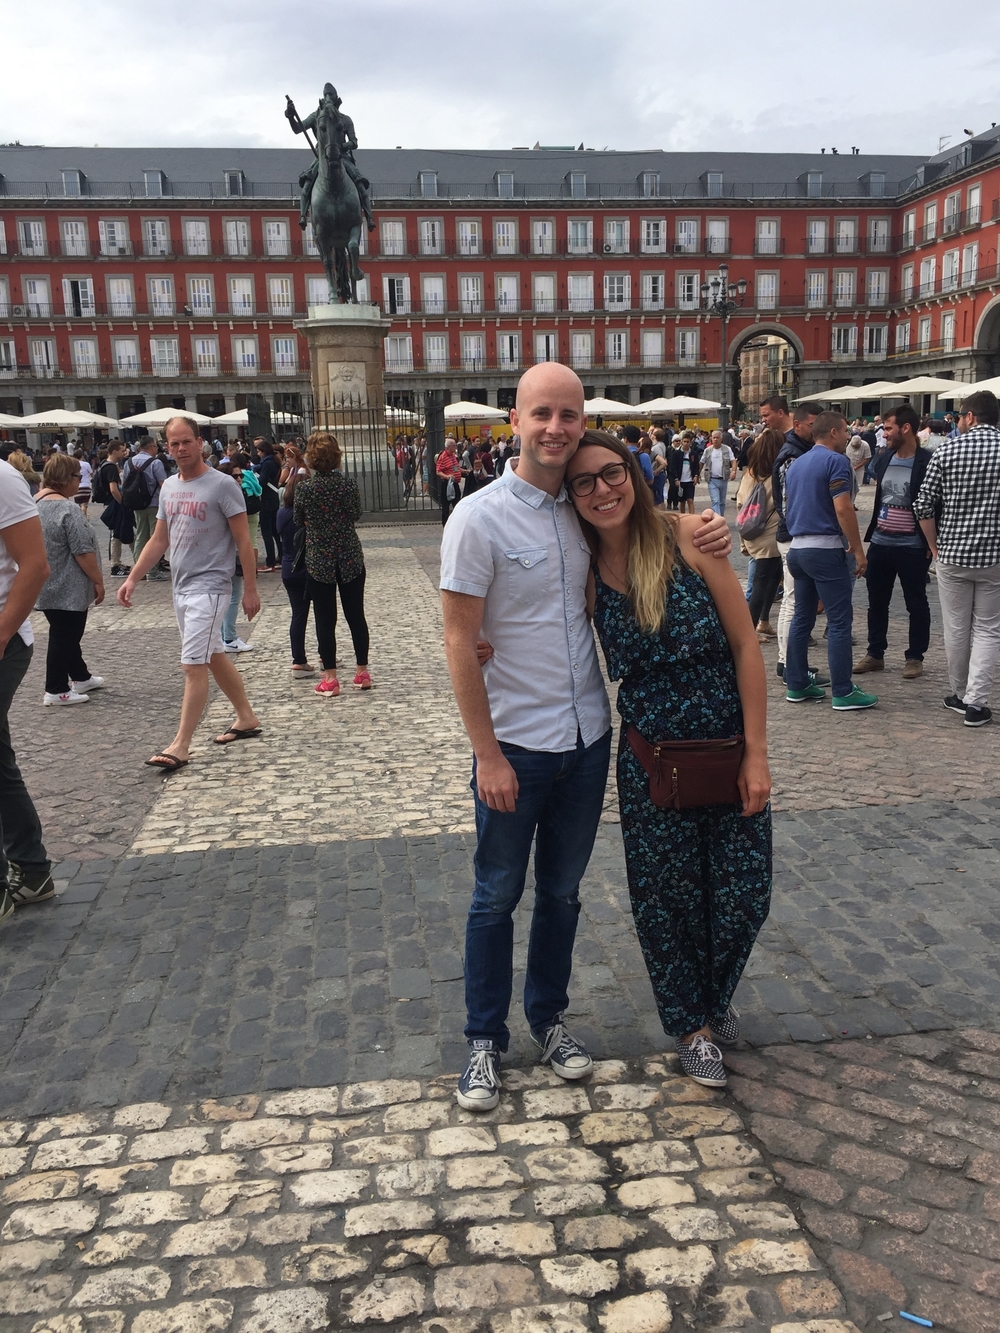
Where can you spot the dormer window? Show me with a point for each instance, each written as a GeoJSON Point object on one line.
{"type": "Point", "coordinates": [814, 184]}
{"type": "Point", "coordinates": [713, 184]}
{"type": "Point", "coordinates": [876, 184]}
{"type": "Point", "coordinates": [505, 185]}
{"type": "Point", "coordinates": [578, 184]}
{"type": "Point", "coordinates": [234, 184]}
{"type": "Point", "coordinates": [428, 184]}
{"type": "Point", "coordinates": [154, 184]}
{"type": "Point", "coordinates": [650, 184]}
{"type": "Point", "coordinates": [72, 181]}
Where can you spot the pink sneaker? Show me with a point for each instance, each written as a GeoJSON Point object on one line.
{"type": "Point", "coordinates": [331, 687]}
{"type": "Point", "coordinates": [363, 680]}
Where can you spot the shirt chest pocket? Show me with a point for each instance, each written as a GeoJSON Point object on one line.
{"type": "Point", "coordinates": [527, 573]}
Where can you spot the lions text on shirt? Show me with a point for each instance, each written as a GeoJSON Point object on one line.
{"type": "Point", "coordinates": [16, 505]}
{"type": "Point", "coordinates": [197, 514]}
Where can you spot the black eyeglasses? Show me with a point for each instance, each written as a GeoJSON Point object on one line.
{"type": "Point", "coordinates": [584, 482]}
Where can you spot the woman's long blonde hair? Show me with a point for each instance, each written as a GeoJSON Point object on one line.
{"type": "Point", "coordinates": [652, 540]}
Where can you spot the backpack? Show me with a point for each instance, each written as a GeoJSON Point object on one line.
{"type": "Point", "coordinates": [137, 490]}
{"type": "Point", "coordinates": [100, 492]}
{"type": "Point", "coordinates": [252, 491]}
{"type": "Point", "coordinates": [752, 517]}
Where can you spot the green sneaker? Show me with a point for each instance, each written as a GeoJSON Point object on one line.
{"type": "Point", "coordinates": [855, 700]}
{"type": "Point", "coordinates": [801, 696]}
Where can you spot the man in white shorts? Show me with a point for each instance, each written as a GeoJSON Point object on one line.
{"type": "Point", "coordinates": [202, 517]}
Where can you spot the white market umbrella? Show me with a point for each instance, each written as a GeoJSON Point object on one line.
{"type": "Point", "coordinates": [929, 384]}
{"type": "Point", "coordinates": [95, 419]}
{"type": "Point", "coordinates": [11, 423]}
{"type": "Point", "coordinates": [655, 407]}
{"type": "Point", "coordinates": [691, 405]}
{"type": "Point", "coordinates": [609, 407]}
{"type": "Point", "coordinates": [855, 393]}
{"type": "Point", "coordinates": [162, 415]}
{"type": "Point", "coordinates": [242, 418]}
{"type": "Point", "coordinates": [984, 386]}
{"type": "Point", "coordinates": [58, 419]}
{"type": "Point", "coordinates": [473, 412]}
{"type": "Point", "coordinates": [401, 416]}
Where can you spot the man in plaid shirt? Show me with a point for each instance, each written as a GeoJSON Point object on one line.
{"type": "Point", "coordinates": [958, 508]}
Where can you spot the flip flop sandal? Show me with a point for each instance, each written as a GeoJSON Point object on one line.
{"type": "Point", "coordinates": [237, 734]}
{"type": "Point", "coordinates": [167, 761]}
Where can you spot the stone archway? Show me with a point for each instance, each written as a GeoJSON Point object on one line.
{"type": "Point", "coordinates": [765, 358]}
{"type": "Point", "coordinates": [987, 341]}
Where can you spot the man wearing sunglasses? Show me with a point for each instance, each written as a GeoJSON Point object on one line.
{"type": "Point", "coordinates": [514, 567]}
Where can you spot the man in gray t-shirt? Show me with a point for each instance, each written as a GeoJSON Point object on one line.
{"type": "Point", "coordinates": [202, 518]}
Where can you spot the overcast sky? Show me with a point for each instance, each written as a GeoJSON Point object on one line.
{"type": "Point", "coordinates": [886, 75]}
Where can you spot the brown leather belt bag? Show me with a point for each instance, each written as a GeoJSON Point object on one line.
{"type": "Point", "coordinates": [683, 774]}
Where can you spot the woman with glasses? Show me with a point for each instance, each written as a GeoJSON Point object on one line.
{"type": "Point", "coordinates": [677, 634]}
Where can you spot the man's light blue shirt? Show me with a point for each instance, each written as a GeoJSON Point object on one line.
{"type": "Point", "coordinates": [523, 551]}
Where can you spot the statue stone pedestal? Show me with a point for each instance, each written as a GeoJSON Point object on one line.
{"type": "Point", "coordinates": [345, 355]}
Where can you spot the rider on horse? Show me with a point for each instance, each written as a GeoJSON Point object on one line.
{"type": "Point", "coordinates": [348, 140]}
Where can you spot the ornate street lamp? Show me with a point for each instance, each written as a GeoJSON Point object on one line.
{"type": "Point", "coordinates": [721, 297]}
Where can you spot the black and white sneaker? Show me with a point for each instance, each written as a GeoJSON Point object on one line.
{"type": "Point", "coordinates": [479, 1087]}
{"type": "Point", "coordinates": [956, 704]}
{"type": "Point", "coordinates": [726, 1029]}
{"type": "Point", "coordinates": [30, 886]}
{"type": "Point", "coordinates": [702, 1061]}
{"type": "Point", "coordinates": [978, 717]}
{"type": "Point", "coordinates": [564, 1053]}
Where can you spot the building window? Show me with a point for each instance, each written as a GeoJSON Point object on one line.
{"type": "Point", "coordinates": [970, 264]}
{"type": "Point", "coordinates": [878, 236]}
{"type": "Point", "coordinates": [688, 294]}
{"type": "Point", "coordinates": [908, 236]}
{"type": "Point", "coordinates": [396, 295]}
{"type": "Point", "coordinates": [581, 350]}
{"type": "Point", "coordinates": [878, 286]}
{"type": "Point", "coordinates": [36, 296]}
{"type": "Point", "coordinates": [206, 356]}
{"type": "Point", "coordinates": [505, 185]}
{"type": "Point", "coordinates": [195, 236]}
{"type": "Point", "coordinates": [284, 358]}
{"type": "Point", "coordinates": [952, 213]}
{"type": "Point", "coordinates": [928, 276]}
{"type": "Point", "coordinates": [902, 339]}
{"type": "Point", "coordinates": [687, 346]}
{"type": "Point", "coordinates": [432, 294]}
{"type": "Point", "coordinates": [543, 293]}
{"type": "Point", "coordinates": [399, 353]}
{"type": "Point", "coordinates": [652, 347]}
{"type": "Point", "coordinates": [8, 359]}
{"type": "Point", "coordinates": [543, 236]}
{"type": "Point", "coordinates": [767, 236]}
{"type": "Point", "coordinates": [317, 291]}
{"type": "Point", "coordinates": [845, 342]}
{"type": "Point", "coordinates": [470, 294]}
{"type": "Point", "coordinates": [686, 236]}
{"type": "Point", "coordinates": [650, 184]}
{"type": "Point", "coordinates": [713, 184]}
{"type": "Point", "coordinates": [815, 290]}
{"type": "Point", "coordinates": [924, 333]}
{"type": "Point", "coordinates": [581, 291]}
{"type": "Point", "coordinates": [509, 351]}
{"type": "Point", "coordinates": [431, 236]}
{"type": "Point", "coordinates": [816, 236]}
{"type": "Point", "coordinates": [616, 347]}
{"type": "Point", "coordinates": [234, 184]}
{"type": "Point", "coordinates": [844, 287]}
{"type": "Point", "coordinates": [165, 356]}
{"type": "Point", "coordinates": [4, 299]}
{"type": "Point", "coordinates": [814, 184]}
{"type": "Point", "coordinates": [245, 356]}
{"type": "Point", "coordinates": [85, 358]}
{"type": "Point", "coordinates": [948, 331]}
{"type": "Point", "coordinates": [153, 181]}
{"type": "Point", "coordinates": [241, 297]}
{"type": "Point", "coordinates": [161, 296]}
{"type": "Point", "coordinates": [578, 184]}
{"type": "Point", "coordinates": [717, 236]}
{"type": "Point", "coordinates": [121, 302]}
{"type": "Point", "coordinates": [507, 290]}
{"type": "Point", "coordinates": [767, 291]}
{"type": "Point", "coordinates": [906, 282]}
{"type": "Point", "coordinates": [3, 237]}
{"type": "Point", "coordinates": [973, 205]}
{"type": "Point", "coordinates": [617, 291]}
{"type": "Point", "coordinates": [876, 342]}
{"type": "Point", "coordinates": [125, 352]}
{"type": "Point", "coordinates": [276, 239]}
{"type": "Point", "coordinates": [32, 238]}
{"type": "Point", "coordinates": [237, 236]}
{"type": "Point", "coordinates": [654, 236]}
{"type": "Point", "coordinates": [546, 347]}
{"type": "Point", "coordinates": [616, 236]}
{"type": "Point", "coordinates": [504, 237]}
{"type": "Point", "coordinates": [876, 184]}
{"type": "Point", "coordinates": [309, 240]}
{"type": "Point", "coordinates": [653, 291]}
{"type": "Point", "coordinates": [930, 222]}
{"type": "Point", "coordinates": [428, 184]}
{"type": "Point", "coordinates": [72, 183]}
{"type": "Point", "coordinates": [436, 351]}
{"type": "Point", "coordinates": [279, 296]}
{"type": "Point", "coordinates": [473, 352]}
{"type": "Point", "coordinates": [845, 236]}
{"type": "Point", "coordinates": [114, 236]}
{"type": "Point", "coordinates": [949, 271]}
{"type": "Point", "coordinates": [78, 296]}
{"type": "Point", "coordinates": [156, 236]}
{"type": "Point", "coordinates": [470, 236]}
{"type": "Point", "coordinates": [392, 237]}
{"type": "Point", "coordinates": [580, 236]}
{"type": "Point", "coordinates": [200, 296]}
{"type": "Point", "coordinates": [74, 237]}
{"type": "Point", "coordinates": [42, 352]}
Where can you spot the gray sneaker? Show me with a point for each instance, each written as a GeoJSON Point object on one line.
{"type": "Point", "coordinates": [30, 886]}
{"type": "Point", "coordinates": [6, 904]}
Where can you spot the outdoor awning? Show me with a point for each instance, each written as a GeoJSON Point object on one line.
{"type": "Point", "coordinates": [11, 423]}
{"type": "Point", "coordinates": [609, 407]}
{"type": "Point", "coordinates": [929, 384]}
{"type": "Point", "coordinates": [60, 418]}
{"type": "Point", "coordinates": [473, 412]}
{"type": "Point", "coordinates": [242, 418]}
{"type": "Point", "coordinates": [682, 403]}
{"type": "Point", "coordinates": [856, 393]}
{"type": "Point", "coordinates": [984, 386]}
{"type": "Point", "coordinates": [162, 415]}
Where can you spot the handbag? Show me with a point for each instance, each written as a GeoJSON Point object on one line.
{"type": "Point", "coordinates": [684, 774]}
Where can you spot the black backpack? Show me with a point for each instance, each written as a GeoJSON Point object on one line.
{"type": "Point", "coordinates": [137, 489]}
{"type": "Point", "coordinates": [100, 492]}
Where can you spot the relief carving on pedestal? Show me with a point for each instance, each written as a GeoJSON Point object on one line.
{"type": "Point", "coordinates": [347, 383]}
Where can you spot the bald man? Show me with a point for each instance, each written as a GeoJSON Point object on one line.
{"type": "Point", "coordinates": [514, 566]}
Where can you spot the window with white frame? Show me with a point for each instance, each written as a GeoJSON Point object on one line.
{"type": "Point", "coordinates": [616, 347]}
{"type": "Point", "coordinates": [930, 221]}
{"type": "Point", "coordinates": [816, 290]}
{"type": "Point", "coordinates": [396, 294]}
{"type": "Point", "coordinates": [507, 289]}
{"type": "Point", "coordinates": [686, 236]}
{"type": "Point", "coordinates": [206, 356]}
{"type": "Point", "coordinates": [84, 352]}
{"type": "Point", "coordinates": [902, 338]}
{"type": "Point", "coordinates": [952, 211]}
{"type": "Point", "coordinates": [948, 331]}
{"type": "Point", "coordinates": [543, 292]}
{"type": "Point", "coordinates": [280, 298]}
{"type": "Point", "coordinates": [687, 346]}
{"type": "Point", "coordinates": [245, 356]}
{"type": "Point", "coordinates": [195, 236]}
{"type": "Point", "coordinates": [654, 236]}
{"type": "Point", "coordinates": [74, 237]}
{"type": "Point", "coordinates": [3, 237]}
{"type": "Point", "coordinates": [505, 236]}
{"type": "Point", "coordinates": [876, 184]}
{"type": "Point", "coordinates": [473, 352]}
{"type": "Point", "coordinates": [909, 232]}
{"type": "Point", "coordinates": [31, 238]}
{"type": "Point", "coordinates": [234, 183]}
{"type": "Point", "coordinates": [428, 184]}
{"type": "Point", "coordinates": [153, 183]}
{"type": "Point", "coordinates": [844, 287]}
{"type": "Point", "coordinates": [392, 237]}
{"type": "Point", "coordinates": [816, 236]}
{"type": "Point", "coordinates": [78, 296]}
{"type": "Point", "coordinates": [121, 301]}
{"type": "Point", "coordinates": [767, 291]}
{"type": "Point", "coordinates": [201, 299]}
{"type": "Point", "coordinates": [688, 291]}
{"type": "Point", "coordinates": [4, 298]}
{"type": "Point", "coordinates": [543, 236]}
{"type": "Point", "coordinates": [161, 296]}
{"type": "Point", "coordinates": [924, 333]}
{"type": "Point", "coordinates": [431, 232]}
{"type": "Point", "coordinates": [581, 350]}
{"type": "Point", "coordinates": [470, 293]}
{"type": "Point", "coordinates": [580, 236]}
{"type": "Point", "coordinates": [8, 359]}
{"type": "Point", "coordinates": [878, 236]}
{"type": "Point", "coordinates": [156, 237]}
{"type": "Point", "coordinates": [284, 355]}
{"type": "Point", "coordinates": [973, 205]}
{"type": "Point", "coordinates": [42, 352]}
{"type": "Point", "coordinates": [845, 342]}
{"type": "Point", "coordinates": [470, 236]}
{"type": "Point", "coordinates": [398, 353]}
{"type": "Point", "coordinates": [928, 276]}
{"type": "Point", "coordinates": [237, 236]}
{"type": "Point", "coordinates": [845, 236]}
{"type": "Point", "coordinates": [505, 185]}
{"type": "Point", "coordinates": [125, 352]}
{"type": "Point", "coordinates": [432, 295]}
{"type": "Point", "coordinates": [435, 351]}
{"type": "Point", "coordinates": [113, 236]}
{"type": "Point", "coordinates": [970, 264]}
{"type": "Point", "coordinates": [877, 280]}
{"type": "Point", "coordinates": [36, 296]}
{"type": "Point", "coordinates": [578, 184]}
{"type": "Point", "coordinates": [616, 236]}
{"type": "Point", "coordinates": [547, 346]}
{"type": "Point", "coordinates": [906, 282]}
{"type": "Point", "coordinates": [814, 184]}
{"type": "Point", "coordinates": [617, 291]}
{"type": "Point", "coordinates": [650, 184]}
{"type": "Point", "coordinates": [949, 271]}
{"type": "Point", "coordinates": [241, 297]}
{"type": "Point", "coordinates": [276, 237]}
{"type": "Point", "coordinates": [317, 291]}
{"type": "Point", "coordinates": [509, 351]}
{"type": "Point", "coordinates": [876, 342]}
{"type": "Point", "coordinates": [652, 347]}
{"type": "Point", "coordinates": [653, 291]}
{"type": "Point", "coordinates": [72, 180]}
{"type": "Point", "coordinates": [580, 289]}
{"type": "Point", "coordinates": [717, 236]}
{"type": "Point", "coordinates": [713, 184]}
{"type": "Point", "coordinates": [767, 236]}
{"type": "Point", "coordinates": [165, 356]}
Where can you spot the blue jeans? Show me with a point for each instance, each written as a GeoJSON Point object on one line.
{"type": "Point", "coordinates": [717, 493]}
{"type": "Point", "coordinates": [821, 574]}
{"type": "Point", "coordinates": [751, 571]}
{"type": "Point", "coordinates": [559, 803]}
{"type": "Point", "coordinates": [229, 619]}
